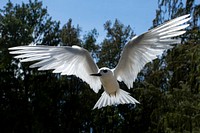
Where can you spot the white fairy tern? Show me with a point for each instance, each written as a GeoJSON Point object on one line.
{"type": "Point", "coordinates": [77, 61]}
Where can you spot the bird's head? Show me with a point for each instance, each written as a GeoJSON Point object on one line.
{"type": "Point", "coordinates": [104, 71]}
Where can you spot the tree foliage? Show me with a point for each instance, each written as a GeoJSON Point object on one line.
{"type": "Point", "coordinates": [111, 47]}
{"type": "Point", "coordinates": [70, 35]}
{"type": "Point", "coordinates": [179, 107]}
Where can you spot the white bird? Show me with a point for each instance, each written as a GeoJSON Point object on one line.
{"type": "Point", "coordinates": [77, 61]}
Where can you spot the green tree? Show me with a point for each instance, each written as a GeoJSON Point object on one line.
{"type": "Point", "coordinates": [117, 36]}
{"type": "Point", "coordinates": [21, 25]}
{"type": "Point", "coordinates": [176, 74]}
{"type": "Point", "coordinates": [90, 43]}
{"type": "Point", "coordinates": [70, 35]}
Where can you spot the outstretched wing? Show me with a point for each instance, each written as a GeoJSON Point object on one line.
{"type": "Point", "coordinates": [65, 60]}
{"type": "Point", "coordinates": [146, 47]}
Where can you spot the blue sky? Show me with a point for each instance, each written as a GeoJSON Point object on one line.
{"type": "Point", "coordinates": [89, 14]}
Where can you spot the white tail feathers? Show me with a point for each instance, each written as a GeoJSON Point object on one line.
{"type": "Point", "coordinates": [121, 97]}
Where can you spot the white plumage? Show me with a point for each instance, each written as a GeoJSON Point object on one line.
{"type": "Point", "coordinates": [77, 61]}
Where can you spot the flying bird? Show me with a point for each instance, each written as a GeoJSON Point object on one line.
{"type": "Point", "coordinates": [78, 61]}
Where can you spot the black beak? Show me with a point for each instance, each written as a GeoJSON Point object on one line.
{"type": "Point", "coordinates": [97, 74]}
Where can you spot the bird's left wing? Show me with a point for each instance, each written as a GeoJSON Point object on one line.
{"type": "Point", "coordinates": [146, 47]}
{"type": "Point", "coordinates": [65, 60]}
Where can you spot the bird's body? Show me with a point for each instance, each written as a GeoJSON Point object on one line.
{"type": "Point", "coordinates": [77, 61]}
{"type": "Point", "coordinates": [109, 81]}
{"type": "Point", "coordinates": [112, 92]}
{"type": "Point", "coordinates": [110, 84]}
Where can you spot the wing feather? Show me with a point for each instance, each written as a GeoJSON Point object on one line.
{"type": "Point", "coordinates": [65, 60]}
{"type": "Point", "coordinates": [146, 47]}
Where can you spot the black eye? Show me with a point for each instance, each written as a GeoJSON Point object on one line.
{"type": "Point", "coordinates": [105, 71]}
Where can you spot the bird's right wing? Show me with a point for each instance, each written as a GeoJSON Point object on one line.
{"type": "Point", "coordinates": [65, 60]}
{"type": "Point", "coordinates": [146, 47]}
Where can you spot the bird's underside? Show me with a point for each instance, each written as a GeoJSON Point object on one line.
{"type": "Point", "coordinates": [77, 61]}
